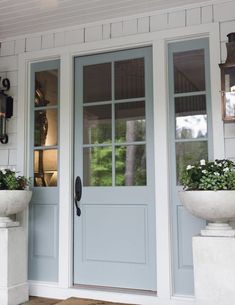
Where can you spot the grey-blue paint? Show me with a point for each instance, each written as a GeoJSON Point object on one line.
{"type": "Point", "coordinates": [114, 239]}
{"type": "Point", "coordinates": [44, 206]}
{"type": "Point", "coordinates": [184, 225]}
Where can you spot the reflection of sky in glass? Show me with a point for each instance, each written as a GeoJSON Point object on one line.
{"type": "Point", "coordinates": [230, 103]}
{"type": "Point", "coordinates": [192, 126]}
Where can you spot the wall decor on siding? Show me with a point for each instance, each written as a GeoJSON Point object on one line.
{"type": "Point", "coordinates": [6, 109]}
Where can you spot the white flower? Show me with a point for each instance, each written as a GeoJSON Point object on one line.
{"type": "Point", "coordinates": [202, 162]}
{"type": "Point", "coordinates": [3, 170]}
{"type": "Point", "coordinates": [204, 171]}
{"type": "Point", "coordinates": [226, 169]}
{"type": "Point", "coordinates": [189, 167]}
{"type": "Point", "coordinates": [216, 174]}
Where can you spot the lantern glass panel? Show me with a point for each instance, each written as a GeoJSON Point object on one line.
{"type": "Point", "coordinates": [229, 93]}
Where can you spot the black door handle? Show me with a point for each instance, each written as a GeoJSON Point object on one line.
{"type": "Point", "coordinates": [78, 194]}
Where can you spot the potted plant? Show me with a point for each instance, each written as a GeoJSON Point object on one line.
{"type": "Point", "coordinates": [14, 195]}
{"type": "Point", "coordinates": [209, 193]}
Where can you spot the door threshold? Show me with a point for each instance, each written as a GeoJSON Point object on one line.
{"type": "Point", "coordinates": [116, 290]}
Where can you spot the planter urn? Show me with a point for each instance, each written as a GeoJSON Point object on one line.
{"type": "Point", "coordinates": [217, 207]}
{"type": "Point", "coordinates": [14, 288]}
{"type": "Point", "coordinates": [11, 203]}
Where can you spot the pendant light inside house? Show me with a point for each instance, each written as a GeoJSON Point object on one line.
{"type": "Point", "coordinates": [6, 110]}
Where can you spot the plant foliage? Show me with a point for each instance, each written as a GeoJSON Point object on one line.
{"type": "Point", "coordinates": [10, 181]}
{"type": "Point", "coordinates": [209, 175]}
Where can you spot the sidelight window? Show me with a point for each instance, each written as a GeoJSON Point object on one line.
{"type": "Point", "coordinates": [45, 116]}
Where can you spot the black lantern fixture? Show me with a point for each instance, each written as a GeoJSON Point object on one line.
{"type": "Point", "coordinates": [6, 109]}
{"type": "Point", "coordinates": [228, 81]}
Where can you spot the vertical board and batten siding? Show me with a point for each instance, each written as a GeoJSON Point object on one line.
{"type": "Point", "coordinates": [224, 13]}
{"type": "Point", "coordinates": [9, 69]}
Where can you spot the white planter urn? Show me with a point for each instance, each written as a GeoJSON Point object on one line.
{"type": "Point", "coordinates": [217, 207]}
{"type": "Point", "coordinates": [12, 202]}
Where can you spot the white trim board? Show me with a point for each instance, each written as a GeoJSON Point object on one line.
{"type": "Point", "coordinates": [159, 42]}
{"type": "Point", "coordinates": [53, 291]}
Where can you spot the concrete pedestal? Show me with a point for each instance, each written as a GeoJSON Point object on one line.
{"type": "Point", "coordinates": [214, 270]}
{"type": "Point", "coordinates": [13, 266]}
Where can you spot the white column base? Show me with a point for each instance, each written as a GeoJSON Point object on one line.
{"type": "Point", "coordinates": [14, 295]}
{"type": "Point", "coordinates": [13, 266]}
{"type": "Point", "coordinates": [218, 229]}
{"type": "Point", "coordinates": [214, 265]}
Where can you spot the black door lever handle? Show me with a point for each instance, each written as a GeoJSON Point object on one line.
{"type": "Point", "coordinates": [78, 210]}
{"type": "Point", "coordinates": [78, 194]}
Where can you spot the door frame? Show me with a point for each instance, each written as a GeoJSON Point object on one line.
{"type": "Point", "coordinates": [138, 198]}
{"type": "Point", "coordinates": [158, 41]}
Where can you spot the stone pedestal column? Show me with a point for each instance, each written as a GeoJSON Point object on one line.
{"type": "Point", "coordinates": [13, 266]}
{"type": "Point", "coordinates": [214, 270]}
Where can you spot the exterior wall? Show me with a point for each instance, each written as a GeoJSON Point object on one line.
{"type": "Point", "coordinates": [141, 25]}
{"type": "Point", "coordinates": [193, 15]}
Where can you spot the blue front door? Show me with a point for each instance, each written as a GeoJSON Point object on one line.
{"type": "Point", "coordinates": [114, 237]}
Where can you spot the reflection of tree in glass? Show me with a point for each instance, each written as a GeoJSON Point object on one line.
{"type": "Point", "coordinates": [137, 175]}
{"type": "Point", "coordinates": [101, 166]}
{"type": "Point", "coordinates": [188, 153]}
{"type": "Point", "coordinates": [122, 130]}
{"type": "Point", "coordinates": [101, 133]}
{"type": "Point", "coordinates": [130, 160]}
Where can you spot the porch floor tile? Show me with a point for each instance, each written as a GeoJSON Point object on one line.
{"type": "Point", "coordinates": [41, 301]}
{"type": "Point", "coordinates": [70, 301]}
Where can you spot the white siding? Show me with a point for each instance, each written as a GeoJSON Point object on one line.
{"type": "Point", "coordinates": [193, 16]}
{"type": "Point", "coordinates": [47, 41]}
{"type": "Point", "coordinates": [34, 43]}
{"type": "Point", "coordinates": [143, 25]}
{"type": "Point", "coordinates": [158, 22]}
{"type": "Point", "coordinates": [93, 33]}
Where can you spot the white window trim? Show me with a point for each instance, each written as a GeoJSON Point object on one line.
{"type": "Point", "coordinates": [158, 41]}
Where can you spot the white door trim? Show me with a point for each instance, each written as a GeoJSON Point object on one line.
{"type": "Point", "coordinates": [158, 40]}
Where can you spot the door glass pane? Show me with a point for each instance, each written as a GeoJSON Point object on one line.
{"type": "Point", "coordinates": [45, 167]}
{"type": "Point", "coordinates": [45, 127]}
{"type": "Point", "coordinates": [190, 116]}
{"type": "Point", "coordinates": [97, 127]}
{"type": "Point", "coordinates": [97, 83]}
{"type": "Point", "coordinates": [46, 88]}
{"type": "Point", "coordinates": [129, 79]}
{"type": "Point", "coordinates": [130, 122]}
{"type": "Point", "coordinates": [97, 166]}
{"type": "Point", "coordinates": [130, 165]}
{"type": "Point", "coordinates": [189, 73]}
{"type": "Point", "coordinates": [188, 153]}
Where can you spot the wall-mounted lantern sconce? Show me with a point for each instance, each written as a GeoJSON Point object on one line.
{"type": "Point", "coordinates": [228, 81]}
{"type": "Point", "coordinates": [6, 109]}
